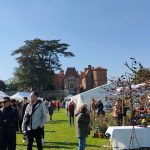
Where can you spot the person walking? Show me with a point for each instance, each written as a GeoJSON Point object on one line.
{"type": "Point", "coordinates": [51, 110]}
{"type": "Point", "coordinates": [23, 108]}
{"type": "Point", "coordinates": [8, 123]}
{"type": "Point", "coordinates": [34, 119]}
{"type": "Point", "coordinates": [100, 107]}
{"type": "Point", "coordinates": [14, 103]}
{"type": "Point", "coordinates": [58, 105]}
{"type": "Point", "coordinates": [92, 106]}
{"type": "Point", "coordinates": [100, 111]}
{"type": "Point", "coordinates": [71, 109]}
{"type": "Point", "coordinates": [82, 125]}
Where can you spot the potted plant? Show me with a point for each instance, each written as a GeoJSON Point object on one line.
{"type": "Point", "coordinates": [100, 131]}
{"type": "Point", "coordinates": [144, 122]}
{"type": "Point", "coordinates": [100, 125]}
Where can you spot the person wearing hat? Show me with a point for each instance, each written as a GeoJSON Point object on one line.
{"type": "Point", "coordinates": [8, 122]}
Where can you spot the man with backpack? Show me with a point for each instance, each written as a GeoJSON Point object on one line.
{"type": "Point", "coordinates": [34, 119]}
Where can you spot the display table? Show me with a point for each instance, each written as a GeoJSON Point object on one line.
{"type": "Point", "coordinates": [123, 137]}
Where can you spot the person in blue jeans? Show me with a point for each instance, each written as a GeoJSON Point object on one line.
{"type": "Point", "coordinates": [82, 125]}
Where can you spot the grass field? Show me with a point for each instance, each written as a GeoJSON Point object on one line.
{"type": "Point", "coordinates": [60, 135]}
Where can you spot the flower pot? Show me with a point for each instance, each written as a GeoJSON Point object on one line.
{"type": "Point", "coordinates": [96, 135]}
{"type": "Point", "coordinates": [144, 125]}
{"type": "Point", "coordinates": [100, 135]}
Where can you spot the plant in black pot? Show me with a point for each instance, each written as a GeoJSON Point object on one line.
{"type": "Point", "coordinates": [100, 131]}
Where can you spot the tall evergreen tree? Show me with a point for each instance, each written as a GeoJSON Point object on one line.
{"type": "Point", "coordinates": [141, 75]}
{"type": "Point", "coordinates": [38, 59]}
{"type": "Point", "coordinates": [2, 86]}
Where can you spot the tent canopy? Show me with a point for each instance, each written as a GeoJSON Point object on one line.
{"type": "Point", "coordinates": [68, 98]}
{"type": "Point", "coordinates": [20, 95]}
{"type": "Point", "coordinates": [102, 92]}
{"type": "Point", "coordinates": [2, 95]}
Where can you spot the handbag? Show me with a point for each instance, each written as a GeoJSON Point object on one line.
{"type": "Point", "coordinates": [28, 116]}
{"type": "Point", "coordinates": [89, 129]}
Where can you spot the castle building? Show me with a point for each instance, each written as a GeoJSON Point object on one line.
{"type": "Point", "coordinates": [92, 77]}
{"type": "Point", "coordinates": [59, 80]}
{"type": "Point", "coordinates": [71, 81]}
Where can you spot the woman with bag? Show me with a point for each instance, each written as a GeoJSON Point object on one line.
{"type": "Point", "coordinates": [82, 125]}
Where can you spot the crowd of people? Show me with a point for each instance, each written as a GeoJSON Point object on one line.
{"type": "Point", "coordinates": [30, 116]}
{"type": "Point", "coordinates": [121, 117]}
{"type": "Point", "coordinates": [27, 117]}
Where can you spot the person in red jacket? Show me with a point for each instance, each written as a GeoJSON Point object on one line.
{"type": "Point", "coordinates": [58, 105]}
{"type": "Point", "coordinates": [71, 108]}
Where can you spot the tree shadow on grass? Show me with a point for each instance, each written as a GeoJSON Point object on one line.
{"type": "Point", "coordinates": [67, 145]}
{"type": "Point", "coordinates": [48, 146]}
{"type": "Point", "coordinates": [18, 132]}
{"type": "Point", "coordinates": [59, 121]}
{"type": "Point", "coordinates": [21, 145]}
{"type": "Point", "coordinates": [60, 145]}
{"type": "Point", "coordinates": [49, 131]}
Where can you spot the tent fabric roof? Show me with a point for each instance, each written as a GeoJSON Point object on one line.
{"type": "Point", "coordinates": [20, 95]}
{"type": "Point", "coordinates": [2, 95]}
{"type": "Point", "coordinates": [134, 87]}
{"type": "Point", "coordinates": [68, 97]}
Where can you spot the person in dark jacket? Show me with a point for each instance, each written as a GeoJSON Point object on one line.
{"type": "Point", "coordinates": [8, 123]}
{"type": "Point", "coordinates": [23, 108]}
{"type": "Point", "coordinates": [82, 125]}
{"type": "Point", "coordinates": [50, 110]}
{"type": "Point", "coordinates": [100, 107]}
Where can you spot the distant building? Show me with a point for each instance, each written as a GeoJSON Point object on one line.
{"type": "Point", "coordinates": [59, 80]}
{"type": "Point", "coordinates": [71, 82]}
{"type": "Point", "coordinates": [92, 77]}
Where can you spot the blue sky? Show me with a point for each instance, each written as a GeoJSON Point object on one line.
{"type": "Point", "coordinates": [102, 33]}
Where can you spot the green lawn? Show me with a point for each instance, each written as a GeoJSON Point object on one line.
{"type": "Point", "coordinates": [59, 135]}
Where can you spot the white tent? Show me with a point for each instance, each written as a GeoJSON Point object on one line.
{"type": "Point", "coordinates": [137, 89]}
{"type": "Point", "coordinates": [2, 95]}
{"type": "Point", "coordinates": [68, 98]}
{"type": "Point", "coordinates": [20, 95]}
{"type": "Point", "coordinates": [103, 92]}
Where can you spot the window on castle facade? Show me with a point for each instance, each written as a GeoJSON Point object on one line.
{"type": "Point", "coordinates": [71, 85]}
